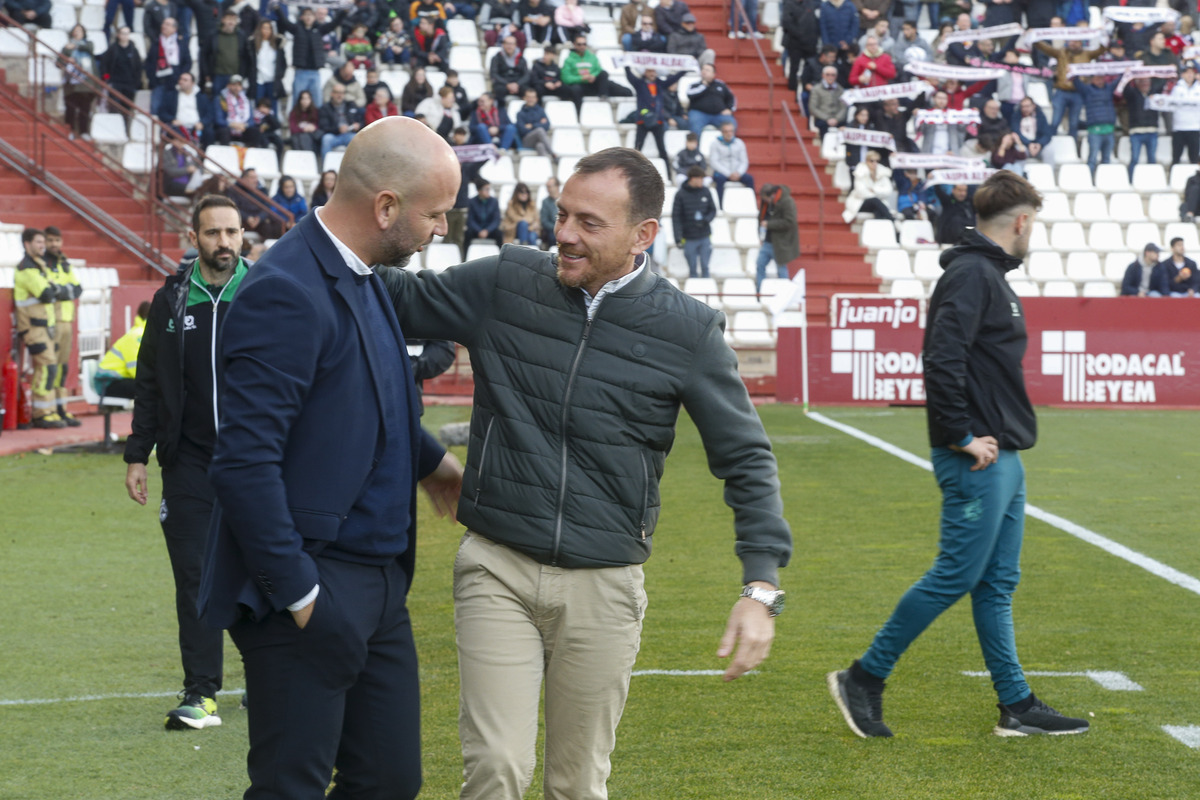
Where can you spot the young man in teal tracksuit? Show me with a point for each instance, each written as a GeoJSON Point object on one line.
{"type": "Point", "coordinates": [979, 418]}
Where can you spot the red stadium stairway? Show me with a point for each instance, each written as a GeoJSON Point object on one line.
{"type": "Point", "coordinates": [841, 265]}
{"type": "Point", "coordinates": [75, 163]}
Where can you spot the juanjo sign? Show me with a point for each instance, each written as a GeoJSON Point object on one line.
{"type": "Point", "coordinates": [1082, 351]}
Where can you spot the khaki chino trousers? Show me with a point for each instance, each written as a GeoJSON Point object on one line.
{"type": "Point", "coordinates": [519, 623]}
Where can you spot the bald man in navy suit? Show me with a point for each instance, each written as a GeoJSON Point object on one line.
{"type": "Point", "coordinates": [315, 470]}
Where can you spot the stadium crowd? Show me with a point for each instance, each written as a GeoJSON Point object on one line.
{"type": "Point", "coordinates": [291, 77]}
{"type": "Point", "coordinates": [924, 114]}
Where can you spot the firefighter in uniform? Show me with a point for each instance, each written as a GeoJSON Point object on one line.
{"type": "Point", "coordinates": [35, 296]}
{"type": "Point", "coordinates": [65, 277]}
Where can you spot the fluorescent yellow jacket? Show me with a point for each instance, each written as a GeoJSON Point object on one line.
{"type": "Point", "coordinates": [121, 358]}
{"type": "Point", "coordinates": [61, 273]}
{"type": "Point", "coordinates": [33, 294]}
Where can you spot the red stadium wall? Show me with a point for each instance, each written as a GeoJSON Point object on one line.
{"type": "Point", "coordinates": [1094, 352]}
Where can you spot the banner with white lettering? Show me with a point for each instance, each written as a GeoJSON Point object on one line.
{"type": "Point", "coordinates": [1125, 351]}
{"type": "Point", "coordinates": [949, 116]}
{"type": "Point", "coordinates": [1062, 35]}
{"type": "Point", "coordinates": [1020, 69]}
{"type": "Point", "coordinates": [663, 62]}
{"type": "Point", "coordinates": [1143, 15]}
{"type": "Point", "coordinates": [1166, 71]}
{"type": "Point", "coordinates": [952, 177]}
{"type": "Point", "coordinates": [928, 69]}
{"type": "Point", "coordinates": [473, 153]}
{"type": "Point", "coordinates": [994, 32]}
{"type": "Point", "coordinates": [1166, 102]}
{"type": "Point", "coordinates": [865, 138]}
{"type": "Point", "coordinates": [1091, 68]}
{"type": "Point", "coordinates": [871, 94]}
{"type": "Point", "coordinates": [933, 161]}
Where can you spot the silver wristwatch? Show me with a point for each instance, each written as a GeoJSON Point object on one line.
{"type": "Point", "coordinates": [772, 599]}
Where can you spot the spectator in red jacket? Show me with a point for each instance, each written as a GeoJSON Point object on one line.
{"type": "Point", "coordinates": [873, 67]}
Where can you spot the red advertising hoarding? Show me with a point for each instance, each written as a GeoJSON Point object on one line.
{"type": "Point", "coordinates": [1128, 351]}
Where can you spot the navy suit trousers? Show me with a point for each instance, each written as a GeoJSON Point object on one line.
{"type": "Point", "coordinates": [340, 693]}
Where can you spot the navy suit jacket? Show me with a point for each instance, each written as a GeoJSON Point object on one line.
{"type": "Point", "coordinates": [300, 418]}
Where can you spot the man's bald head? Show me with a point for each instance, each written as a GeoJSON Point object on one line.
{"type": "Point", "coordinates": [397, 180]}
{"type": "Point", "coordinates": [396, 154]}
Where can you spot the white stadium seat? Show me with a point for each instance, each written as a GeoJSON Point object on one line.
{"type": "Point", "coordinates": [892, 265]}
{"type": "Point", "coordinates": [1059, 289]}
{"type": "Point", "coordinates": [1115, 265]}
{"type": "Point", "coordinates": [1126, 207]}
{"type": "Point", "coordinates": [878, 234]}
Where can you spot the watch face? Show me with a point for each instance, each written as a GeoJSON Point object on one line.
{"type": "Point", "coordinates": [776, 606]}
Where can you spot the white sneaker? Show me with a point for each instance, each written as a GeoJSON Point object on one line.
{"type": "Point", "coordinates": [757, 35]}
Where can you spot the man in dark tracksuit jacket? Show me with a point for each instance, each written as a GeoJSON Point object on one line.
{"type": "Point", "coordinates": [979, 418]}
{"type": "Point", "coordinates": [175, 409]}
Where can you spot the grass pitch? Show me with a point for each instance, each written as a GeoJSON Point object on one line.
{"type": "Point", "coordinates": [86, 605]}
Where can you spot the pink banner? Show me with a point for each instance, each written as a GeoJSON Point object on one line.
{"type": "Point", "coordinates": [1094, 352]}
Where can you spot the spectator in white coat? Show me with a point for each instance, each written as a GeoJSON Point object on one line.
{"type": "Point", "coordinates": [1186, 132]}
{"type": "Point", "coordinates": [872, 188]}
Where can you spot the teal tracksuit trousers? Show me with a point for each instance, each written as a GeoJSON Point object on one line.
{"type": "Point", "coordinates": [982, 525]}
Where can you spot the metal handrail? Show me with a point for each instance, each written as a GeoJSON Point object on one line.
{"type": "Point", "coordinates": [145, 189]}
{"type": "Point", "coordinates": [816, 178]}
{"type": "Point", "coordinates": [740, 18]}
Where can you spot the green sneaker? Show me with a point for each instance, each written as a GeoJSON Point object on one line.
{"type": "Point", "coordinates": [194, 712]}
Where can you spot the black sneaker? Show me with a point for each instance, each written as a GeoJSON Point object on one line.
{"type": "Point", "coordinates": [861, 702]}
{"type": "Point", "coordinates": [1040, 718]}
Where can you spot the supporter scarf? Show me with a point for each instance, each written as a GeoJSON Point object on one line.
{"type": "Point", "coordinates": [1159, 71]}
{"type": "Point", "coordinates": [236, 108]}
{"type": "Point", "coordinates": [929, 69]}
{"type": "Point", "coordinates": [933, 161]}
{"type": "Point", "coordinates": [872, 93]}
{"type": "Point", "coordinates": [1017, 69]}
{"type": "Point", "coordinates": [168, 56]}
{"type": "Point", "coordinates": [491, 117]}
{"type": "Point", "coordinates": [865, 138]}
{"type": "Point", "coordinates": [994, 32]}
{"type": "Point", "coordinates": [1166, 102]}
{"type": "Point", "coordinates": [473, 153]}
{"type": "Point", "coordinates": [1060, 35]}
{"type": "Point", "coordinates": [949, 116]}
{"type": "Point", "coordinates": [951, 177]}
{"type": "Point", "coordinates": [663, 62]}
{"type": "Point", "coordinates": [1101, 68]}
{"type": "Point", "coordinates": [1142, 15]}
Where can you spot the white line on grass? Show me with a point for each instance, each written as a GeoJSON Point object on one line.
{"type": "Point", "coordinates": [82, 698]}
{"type": "Point", "coordinates": [1188, 734]}
{"type": "Point", "coordinates": [1180, 579]}
{"type": "Point", "coordinates": [89, 697]}
{"type": "Point", "coordinates": [1108, 679]}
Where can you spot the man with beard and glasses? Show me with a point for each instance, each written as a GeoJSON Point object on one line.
{"type": "Point", "coordinates": [175, 409]}
{"type": "Point", "coordinates": [979, 418]}
{"type": "Point", "coordinates": [581, 363]}
{"type": "Point", "coordinates": [315, 472]}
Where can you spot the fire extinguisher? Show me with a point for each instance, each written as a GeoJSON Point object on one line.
{"type": "Point", "coordinates": [25, 406]}
{"type": "Point", "coordinates": [10, 389]}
